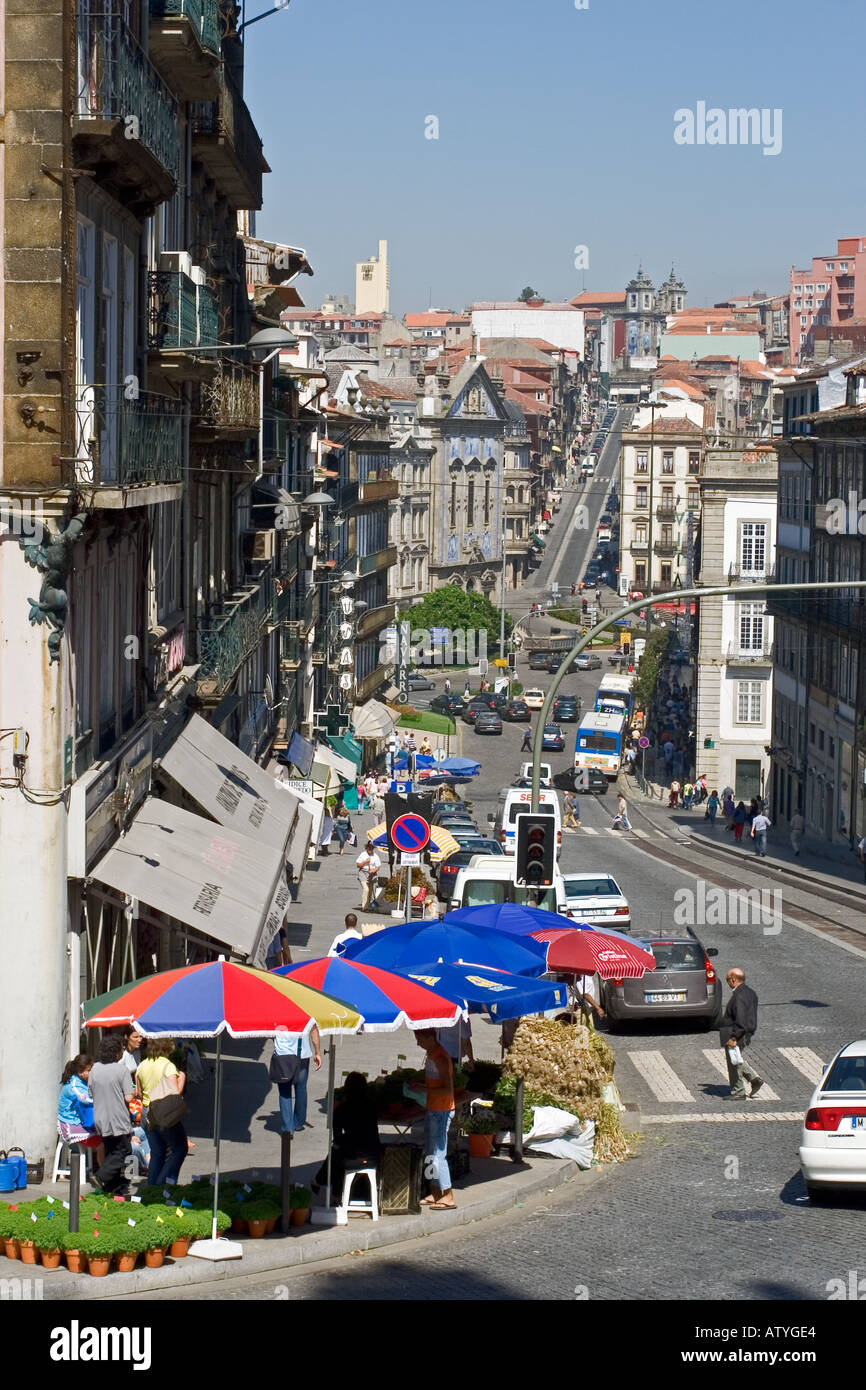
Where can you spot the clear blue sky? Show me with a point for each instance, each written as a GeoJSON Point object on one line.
{"type": "Point", "coordinates": [555, 129]}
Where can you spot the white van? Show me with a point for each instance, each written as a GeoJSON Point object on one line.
{"type": "Point", "coordinates": [489, 878]}
{"type": "Point", "coordinates": [546, 773]}
{"type": "Point", "coordinates": [517, 801]}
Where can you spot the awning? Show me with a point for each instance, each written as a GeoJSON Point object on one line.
{"type": "Point", "coordinates": [373, 720]}
{"type": "Point", "coordinates": [300, 753]}
{"type": "Point", "coordinates": [219, 881]}
{"type": "Point", "coordinates": [326, 757]}
{"type": "Point", "coordinates": [348, 748]}
{"type": "Point", "coordinates": [229, 786]}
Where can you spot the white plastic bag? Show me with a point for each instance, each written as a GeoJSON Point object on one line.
{"type": "Point", "coordinates": [560, 1134]}
{"type": "Point", "coordinates": [735, 1055]}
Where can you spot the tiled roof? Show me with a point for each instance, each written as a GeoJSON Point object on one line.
{"type": "Point", "coordinates": [680, 384]}
{"type": "Point", "coordinates": [589, 300]}
{"type": "Point", "coordinates": [666, 424]}
{"type": "Point", "coordinates": [428, 320]}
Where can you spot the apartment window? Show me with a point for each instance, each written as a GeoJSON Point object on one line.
{"type": "Point", "coordinates": [831, 746]}
{"type": "Point", "coordinates": [750, 701]}
{"type": "Point", "coordinates": [808, 288]}
{"type": "Point", "coordinates": [667, 534]}
{"type": "Point", "coordinates": [640, 533]}
{"type": "Point", "coordinates": [751, 627]}
{"type": "Point", "coordinates": [470, 503]}
{"type": "Point", "coordinates": [667, 461]}
{"type": "Point", "coordinates": [641, 463]}
{"type": "Point", "coordinates": [640, 496]}
{"type": "Point", "coordinates": [811, 733]}
{"type": "Point", "coordinates": [640, 576]}
{"type": "Point", "coordinates": [829, 265]}
{"type": "Point", "coordinates": [667, 502]}
{"type": "Point", "coordinates": [694, 461]}
{"type": "Point", "coordinates": [753, 547]}
{"type": "Point", "coordinates": [453, 521]}
{"type": "Point", "coordinates": [486, 500]}
{"type": "Point", "coordinates": [843, 267]}
{"type": "Point", "coordinates": [667, 577]}
{"type": "Point", "coordinates": [694, 498]}
{"type": "Point", "coordinates": [819, 288]}
{"type": "Point", "coordinates": [128, 303]}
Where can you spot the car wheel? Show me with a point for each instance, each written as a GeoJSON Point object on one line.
{"type": "Point", "coordinates": [818, 1195]}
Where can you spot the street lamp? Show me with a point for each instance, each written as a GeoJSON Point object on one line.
{"type": "Point", "coordinates": [271, 342]}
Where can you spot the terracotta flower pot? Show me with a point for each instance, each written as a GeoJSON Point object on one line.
{"type": "Point", "coordinates": [126, 1261]}
{"type": "Point", "coordinates": [99, 1265]}
{"type": "Point", "coordinates": [180, 1247]}
{"type": "Point", "coordinates": [76, 1263]}
{"type": "Point", "coordinates": [50, 1258]}
{"type": "Point", "coordinates": [154, 1258]}
{"type": "Point", "coordinates": [12, 1247]}
{"type": "Point", "coordinates": [28, 1252]}
{"type": "Point", "coordinates": [480, 1145]}
{"type": "Point", "coordinates": [271, 1225]}
{"type": "Point", "coordinates": [257, 1229]}
{"type": "Point", "coordinates": [239, 1226]}
{"type": "Point", "coordinates": [300, 1216]}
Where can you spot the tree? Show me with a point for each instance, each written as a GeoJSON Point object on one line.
{"type": "Point", "coordinates": [453, 607]}
{"type": "Point", "coordinates": [528, 293]}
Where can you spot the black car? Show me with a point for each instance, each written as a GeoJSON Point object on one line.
{"type": "Point", "coordinates": [446, 875]}
{"type": "Point", "coordinates": [565, 709]}
{"type": "Point", "coordinates": [516, 712]}
{"type": "Point", "coordinates": [586, 780]}
{"type": "Point", "coordinates": [448, 704]}
{"type": "Point", "coordinates": [488, 722]}
{"type": "Point", "coordinates": [475, 705]}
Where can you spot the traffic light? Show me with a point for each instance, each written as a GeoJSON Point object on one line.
{"type": "Point", "coordinates": [536, 850]}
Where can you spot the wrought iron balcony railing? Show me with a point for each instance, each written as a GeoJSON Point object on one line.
{"type": "Point", "coordinates": [202, 15]}
{"type": "Point", "coordinates": [750, 656]}
{"type": "Point", "coordinates": [123, 442]}
{"type": "Point", "coordinates": [226, 639]}
{"type": "Point", "coordinates": [229, 402]}
{"type": "Point", "coordinates": [182, 313]}
{"type": "Point", "coordinates": [225, 139]}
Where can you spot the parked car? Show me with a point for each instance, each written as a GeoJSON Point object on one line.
{"type": "Point", "coordinates": [538, 661]}
{"type": "Point", "coordinates": [446, 874]}
{"type": "Point", "coordinates": [552, 740]}
{"type": "Point", "coordinates": [475, 705]}
{"type": "Point", "coordinates": [448, 704]}
{"type": "Point", "coordinates": [488, 722]}
{"type": "Point", "coordinates": [587, 661]}
{"type": "Point", "coordinates": [516, 712]}
{"type": "Point", "coordinates": [533, 698]}
{"type": "Point", "coordinates": [597, 899]}
{"type": "Point", "coordinates": [585, 779]}
{"type": "Point", "coordinates": [833, 1137]}
{"type": "Point", "coordinates": [420, 683]}
{"type": "Point", "coordinates": [565, 709]}
{"type": "Point", "coordinates": [684, 984]}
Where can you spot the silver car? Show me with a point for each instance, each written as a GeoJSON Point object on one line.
{"type": "Point", "coordinates": [684, 984]}
{"type": "Point", "coordinates": [587, 661]}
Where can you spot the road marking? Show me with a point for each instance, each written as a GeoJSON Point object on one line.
{"type": "Point", "coordinates": [739, 1117]}
{"type": "Point", "coordinates": [807, 1062]}
{"type": "Point", "coordinates": [716, 1060]}
{"type": "Point", "coordinates": [588, 830]}
{"type": "Point", "coordinates": [661, 1079]}
{"type": "Point", "coordinates": [641, 834]}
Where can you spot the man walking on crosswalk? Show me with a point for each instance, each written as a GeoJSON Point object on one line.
{"type": "Point", "coordinates": [739, 1025]}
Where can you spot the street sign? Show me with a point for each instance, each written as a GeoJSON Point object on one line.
{"type": "Point", "coordinates": [410, 833]}
{"type": "Point", "coordinates": [500, 661]}
{"type": "Point", "coordinates": [643, 742]}
{"type": "Point", "coordinates": [409, 861]}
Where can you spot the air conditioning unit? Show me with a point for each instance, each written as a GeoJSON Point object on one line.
{"type": "Point", "coordinates": [259, 545]}
{"type": "Point", "coordinates": [197, 274]}
{"type": "Point", "coordinates": [178, 261]}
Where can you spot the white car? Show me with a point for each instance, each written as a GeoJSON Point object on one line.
{"type": "Point", "coordinates": [833, 1138]}
{"type": "Point", "coordinates": [533, 699]}
{"type": "Point", "coordinates": [598, 900]}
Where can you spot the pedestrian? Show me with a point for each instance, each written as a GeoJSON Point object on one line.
{"type": "Point", "coordinates": [466, 691]}
{"type": "Point", "coordinates": [111, 1086]}
{"type": "Point", "coordinates": [356, 1135]}
{"type": "Point", "coordinates": [132, 1041]}
{"type": "Point", "coordinates": [168, 1143]}
{"type": "Point", "coordinates": [668, 751]}
{"type": "Point", "coordinates": [728, 794]}
{"type": "Point", "coordinates": [728, 808]}
{"type": "Point", "coordinates": [571, 815]}
{"type": "Point", "coordinates": [760, 825]}
{"type": "Point", "coordinates": [688, 795]}
{"type": "Point", "coordinates": [861, 854]}
{"type": "Point", "coordinates": [702, 787]}
{"type": "Point", "coordinates": [447, 685]}
{"type": "Point", "coordinates": [426, 747]}
{"type": "Point", "coordinates": [293, 1053]}
{"type": "Point", "coordinates": [526, 745]}
{"type": "Point", "coordinates": [674, 798]}
{"type": "Point", "coordinates": [598, 595]}
{"type": "Point", "coordinates": [343, 827]}
{"type": "Point", "coordinates": [798, 825]}
{"type": "Point", "coordinates": [712, 807]}
{"type": "Point", "coordinates": [739, 820]}
{"type": "Point", "coordinates": [368, 864]}
{"type": "Point", "coordinates": [439, 1112]}
{"type": "Point", "coordinates": [75, 1123]}
{"type": "Point", "coordinates": [739, 1025]}
{"type": "Point", "coordinates": [370, 786]}
{"type": "Point", "coordinates": [622, 812]}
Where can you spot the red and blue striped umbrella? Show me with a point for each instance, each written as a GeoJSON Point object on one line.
{"type": "Point", "coordinates": [204, 1001]}
{"type": "Point", "coordinates": [386, 1000]}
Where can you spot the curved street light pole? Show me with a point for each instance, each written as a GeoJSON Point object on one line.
{"type": "Point", "coordinates": [676, 596]}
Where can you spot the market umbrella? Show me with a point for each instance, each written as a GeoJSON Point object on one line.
{"type": "Point", "coordinates": [497, 993]}
{"type": "Point", "coordinates": [442, 842]}
{"type": "Point", "coordinates": [566, 938]}
{"type": "Point", "coordinates": [416, 943]}
{"type": "Point", "coordinates": [467, 766]}
{"type": "Point", "coordinates": [205, 1001]}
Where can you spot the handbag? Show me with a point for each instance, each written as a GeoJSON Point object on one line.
{"type": "Point", "coordinates": [352, 838]}
{"type": "Point", "coordinates": [284, 1066]}
{"type": "Point", "coordinates": [166, 1107]}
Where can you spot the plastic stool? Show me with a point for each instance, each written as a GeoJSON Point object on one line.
{"type": "Point", "coordinates": [346, 1206]}
{"type": "Point", "coordinates": [58, 1172]}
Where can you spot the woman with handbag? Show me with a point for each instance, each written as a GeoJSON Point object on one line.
{"type": "Point", "coordinates": [343, 827]}
{"type": "Point", "coordinates": [75, 1107]}
{"type": "Point", "coordinates": [159, 1085]}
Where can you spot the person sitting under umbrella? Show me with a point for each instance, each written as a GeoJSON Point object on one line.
{"type": "Point", "coordinates": [356, 1134]}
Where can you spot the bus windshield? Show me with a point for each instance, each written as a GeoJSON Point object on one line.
{"type": "Point", "coordinates": [602, 743]}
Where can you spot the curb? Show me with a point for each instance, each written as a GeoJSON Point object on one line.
{"type": "Point", "coordinates": [287, 1252]}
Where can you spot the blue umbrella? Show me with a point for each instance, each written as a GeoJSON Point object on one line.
{"type": "Point", "coordinates": [464, 765]}
{"type": "Point", "coordinates": [522, 921]}
{"type": "Point", "coordinates": [417, 943]}
{"type": "Point", "coordinates": [494, 992]}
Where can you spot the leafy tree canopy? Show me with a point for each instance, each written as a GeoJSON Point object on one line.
{"type": "Point", "coordinates": [528, 293]}
{"type": "Point", "coordinates": [453, 607]}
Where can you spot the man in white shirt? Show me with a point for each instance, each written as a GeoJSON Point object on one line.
{"type": "Point", "coordinates": [293, 1094]}
{"type": "Point", "coordinates": [760, 826]}
{"type": "Point", "coordinates": [368, 865]}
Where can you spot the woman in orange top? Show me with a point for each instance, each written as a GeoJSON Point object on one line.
{"type": "Point", "coordinates": [439, 1078]}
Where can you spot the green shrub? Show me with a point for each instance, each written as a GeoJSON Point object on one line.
{"type": "Point", "coordinates": [261, 1210]}
{"type": "Point", "coordinates": [300, 1198]}
{"type": "Point", "coordinates": [103, 1243]}
{"type": "Point", "coordinates": [482, 1122]}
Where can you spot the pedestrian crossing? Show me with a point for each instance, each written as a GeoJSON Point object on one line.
{"type": "Point", "coordinates": [609, 830]}
{"type": "Point", "coordinates": [686, 1079]}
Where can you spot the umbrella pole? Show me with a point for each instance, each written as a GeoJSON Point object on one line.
{"type": "Point", "coordinates": [332, 1073]}
{"type": "Point", "coordinates": [217, 1122]}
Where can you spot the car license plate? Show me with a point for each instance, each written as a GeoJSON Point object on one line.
{"type": "Point", "coordinates": [858, 1121]}
{"type": "Point", "coordinates": [670, 996]}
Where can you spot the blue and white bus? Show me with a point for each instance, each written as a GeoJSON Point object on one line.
{"type": "Point", "coordinates": [599, 742]}
{"type": "Point", "coordinates": [614, 696]}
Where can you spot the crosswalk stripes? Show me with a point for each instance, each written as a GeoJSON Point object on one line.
{"type": "Point", "coordinates": [588, 830]}
{"type": "Point", "coordinates": [716, 1060]}
{"type": "Point", "coordinates": [806, 1061]}
{"type": "Point", "coordinates": [661, 1078]}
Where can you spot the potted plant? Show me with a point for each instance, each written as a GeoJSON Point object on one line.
{"type": "Point", "coordinates": [259, 1213]}
{"type": "Point", "coordinates": [481, 1128]}
{"type": "Point", "coordinates": [181, 1233]}
{"type": "Point", "coordinates": [9, 1232]}
{"type": "Point", "coordinates": [76, 1261]}
{"type": "Point", "coordinates": [48, 1241]}
{"type": "Point", "coordinates": [25, 1229]}
{"type": "Point", "coordinates": [300, 1201]}
{"type": "Point", "coordinates": [156, 1238]}
{"type": "Point", "coordinates": [98, 1247]}
{"type": "Point", "coordinates": [130, 1242]}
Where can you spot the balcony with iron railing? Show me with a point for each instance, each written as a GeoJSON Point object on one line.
{"type": "Point", "coordinates": [227, 405]}
{"type": "Point", "coordinates": [668, 545]}
{"type": "Point", "coordinates": [232, 631]}
{"type": "Point", "coordinates": [379, 560]}
{"type": "Point", "coordinates": [185, 45]}
{"type": "Point", "coordinates": [666, 509]}
{"type": "Point", "coordinates": [759, 574]}
{"type": "Point", "coordinates": [122, 442]}
{"type": "Point", "coordinates": [125, 118]}
{"type": "Point", "coordinates": [182, 314]}
{"type": "Point", "coordinates": [760, 655]}
{"type": "Point", "coordinates": [226, 142]}
{"type": "Point", "coordinates": [639, 545]}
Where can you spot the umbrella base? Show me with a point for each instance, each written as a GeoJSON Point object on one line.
{"type": "Point", "coordinates": [323, 1216]}
{"type": "Point", "coordinates": [217, 1249]}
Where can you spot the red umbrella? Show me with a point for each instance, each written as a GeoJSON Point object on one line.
{"type": "Point", "coordinates": [595, 953]}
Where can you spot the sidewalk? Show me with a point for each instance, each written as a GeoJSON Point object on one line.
{"type": "Point", "coordinates": [251, 1126]}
